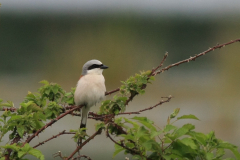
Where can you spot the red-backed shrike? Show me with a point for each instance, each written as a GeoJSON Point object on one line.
{"type": "Point", "coordinates": [90, 88]}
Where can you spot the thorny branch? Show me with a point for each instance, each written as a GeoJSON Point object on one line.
{"type": "Point", "coordinates": [61, 133]}
{"type": "Point", "coordinates": [196, 56]}
{"type": "Point", "coordinates": [102, 117]}
{"type": "Point", "coordinates": [84, 143]}
{"type": "Point", "coordinates": [84, 156]}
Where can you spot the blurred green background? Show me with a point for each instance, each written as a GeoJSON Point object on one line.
{"type": "Point", "coordinates": [52, 40]}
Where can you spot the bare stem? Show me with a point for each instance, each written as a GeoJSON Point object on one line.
{"type": "Point", "coordinates": [84, 143]}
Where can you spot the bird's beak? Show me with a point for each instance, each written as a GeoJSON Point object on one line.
{"type": "Point", "coordinates": [104, 67]}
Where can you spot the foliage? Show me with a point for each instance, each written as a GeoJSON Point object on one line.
{"type": "Point", "coordinates": [32, 115]}
{"type": "Point", "coordinates": [137, 136]}
{"type": "Point", "coordinates": [145, 141]}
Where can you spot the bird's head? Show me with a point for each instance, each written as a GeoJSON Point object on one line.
{"type": "Point", "coordinates": [93, 67]}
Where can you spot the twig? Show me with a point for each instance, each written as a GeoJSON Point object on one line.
{"type": "Point", "coordinates": [84, 143]}
{"type": "Point", "coordinates": [49, 124]}
{"type": "Point", "coordinates": [196, 56]}
{"type": "Point", "coordinates": [61, 133]}
{"type": "Point", "coordinates": [160, 103]}
{"type": "Point", "coordinates": [84, 156]}
{"type": "Point", "coordinates": [12, 109]}
{"type": "Point", "coordinates": [113, 91]}
{"type": "Point", "coordinates": [160, 65]}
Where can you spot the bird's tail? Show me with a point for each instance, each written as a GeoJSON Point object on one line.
{"type": "Point", "coordinates": [84, 117]}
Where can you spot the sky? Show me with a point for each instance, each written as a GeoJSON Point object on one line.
{"type": "Point", "coordinates": [138, 6]}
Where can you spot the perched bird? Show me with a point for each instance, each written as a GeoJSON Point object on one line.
{"type": "Point", "coordinates": [90, 88]}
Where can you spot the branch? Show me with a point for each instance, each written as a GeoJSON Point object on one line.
{"type": "Point", "coordinates": [102, 117]}
{"type": "Point", "coordinates": [84, 143]}
{"type": "Point", "coordinates": [61, 133]}
{"type": "Point", "coordinates": [84, 156]}
{"type": "Point", "coordinates": [12, 109]}
{"type": "Point", "coordinates": [113, 91]}
{"type": "Point", "coordinates": [155, 72]}
{"type": "Point", "coordinates": [160, 103]}
{"type": "Point", "coordinates": [196, 56]}
{"type": "Point", "coordinates": [160, 65]}
{"type": "Point", "coordinates": [49, 124]}
{"type": "Point", "coordinates": [15, 140]}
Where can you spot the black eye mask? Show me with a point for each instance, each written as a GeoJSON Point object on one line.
{"type": "Point", "coordinates": [95, 66]}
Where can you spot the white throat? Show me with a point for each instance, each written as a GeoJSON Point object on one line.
{"type": "Point", "coordinates": [95, 71]}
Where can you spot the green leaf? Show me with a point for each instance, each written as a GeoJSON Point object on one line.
{"type": "Point", "coordinates": [99, 125]}
{"type": "Point", "coordinates": [209, 156]}
{"type": "Point", "coordinates": [20, 130]}
{"type": "Point", "coordinates": [189, 142]}
{"type": "Point", "coordinates": [147, 145]}
{"type": "Point", "coordinates": [190, 116]}
{"type": "Point", "coordinates": [118, 149]}
{"type": "Point", "coordinates": [155, 133]}
{"type": "Point", "coordinates": [21, 154]}
{"type": "Point", "coordinates": [175, 113]}
{"type": "Point", "coordinates": [13, 147]}
{"type": "Point", "coordinates": [38, 154]}
{"type": "Point", "coordinates": [169, 127]}
{"type": "Point", "coordinates": [128, 137]}
{"type": "Point", "coordinates": [14, 117]}
{"type": "Point", "coordinates": [200, 137]}
{"type": "Point", "coordinates": [151, 145]}
{"type": "Point", "coordinates": [152, 78]}
{"type": "Point", "coordinates": [220, 152]}
{"type": "Point", "coordinates": [55, 89]}
{"type": "Point", "coordinates": [130, 145]}
{"type": "Point", "coordinates": [138, 157]}
{"type": "Point", "coordinates": [135, 125]}
{"type": "Point", "coordinates": [189, 126]}
{"type": "Point", "coordinates": [44, 82]}
{"type": "Point", "coordinates": [231, 147]}
{"type": "Point", "coordinates": [146, 122]}
{"type": "Point", "coordinates": [26, 147]}
{"type": "Point", "coordinates": [141, 132]}
{"type": "Point", "coordinates": [180, 132]}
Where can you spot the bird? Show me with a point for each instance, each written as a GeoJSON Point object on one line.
{"type": "Point", "coordinates": [90, 88]}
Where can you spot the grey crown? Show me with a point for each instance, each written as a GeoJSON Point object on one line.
{"type": "Point", "coordinates": [88, 64]}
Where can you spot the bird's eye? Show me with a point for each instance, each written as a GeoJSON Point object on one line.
{"type": "Point", "coordinates": [94, 66]}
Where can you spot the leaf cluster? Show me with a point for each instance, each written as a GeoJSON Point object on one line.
{"type": "Point", "coordinates": [20, 152]}
{"type": "Point", "coordinates": [32, 115]}
{"type": "Point", "coordinates": [146, 141]}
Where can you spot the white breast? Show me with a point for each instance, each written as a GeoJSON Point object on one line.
{"type": "Point", "coordinates": [90, 90]}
